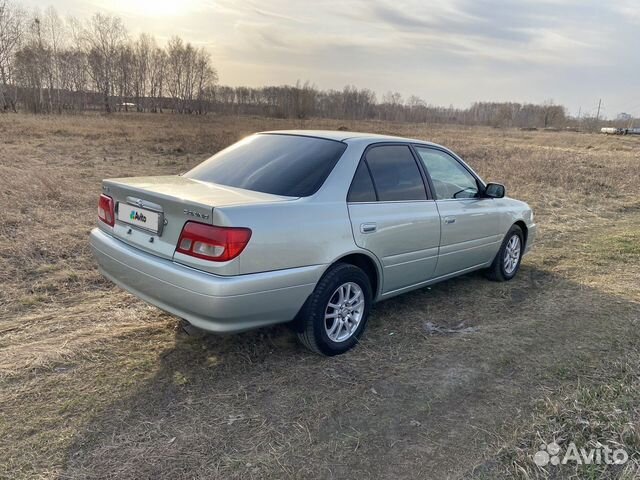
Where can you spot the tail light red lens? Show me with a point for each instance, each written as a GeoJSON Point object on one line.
{"type": "Point", "coordinates": [209, 242]}
{"type": "Point", "coordinates": [106, 210]}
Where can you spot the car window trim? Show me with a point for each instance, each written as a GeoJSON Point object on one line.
{"type": "Point", "coordinates": [479, 182]}
{"type": "Point", "coordinates": [282, 134]}
{"type": "Point", "coordinates": [373, 179]}
{"type": "Point", "coordinates": [425, 184]}
{"type": "Point", "coordinates": [373, 182]}
{"type": "Point", "coordinates": [375, 192]}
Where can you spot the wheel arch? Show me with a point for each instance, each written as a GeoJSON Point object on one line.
{"type": "Point", "coordinates": [369, 265]}
{"type": "Point", "coordinates": [525, 231]}
{"type": "Point", "coordinates": [367, 262]}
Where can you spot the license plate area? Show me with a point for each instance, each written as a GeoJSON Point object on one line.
{"type": "Point", "coordinates": [142, 218]}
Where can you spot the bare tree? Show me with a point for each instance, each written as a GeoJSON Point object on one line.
{"type": "Point", "coordinates": [175, 71]}
{"type": "Point", "coordinates": [125, 75]}
{"type": "Point", "coordinates": [553, 115]}
{"type": "Point", "coordinates": [11, 30]}
{"type": "Point", "coordinates": [392, 107]}
{"type": "Point", "coordinates": [103, 38]}
{"type": "Point", "coordinates": [33, 68]}
{"type": "Point", "coordinates": [205, 79]}
{"type": "Point", "coordinates": [52, 35]}
{"type": "Point", "coordinates": [190, 77]}
{"type": "Point", "coordinates": [143, 50]}
{"type": "Point", "coordinates": [157, 74]}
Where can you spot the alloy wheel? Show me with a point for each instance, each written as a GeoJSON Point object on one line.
{"type": "Point", "coordinates": [512, 254]}
{"type": "Point", "coordinates": [344, 312]}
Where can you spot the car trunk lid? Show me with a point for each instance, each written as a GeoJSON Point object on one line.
{"type": "Point", "coordinates": [151, 211]}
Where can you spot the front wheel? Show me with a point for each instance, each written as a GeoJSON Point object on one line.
{"type": "Point", "coordinates": [336, 313]}
{"type": "Point", "coordinates": [507, 261]}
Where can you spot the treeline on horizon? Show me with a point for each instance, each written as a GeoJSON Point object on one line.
{"type": "Point", "coordinates": [53, 65]}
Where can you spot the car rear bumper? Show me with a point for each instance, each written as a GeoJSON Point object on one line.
{"type": "Point", "coordinates": [211, 302]}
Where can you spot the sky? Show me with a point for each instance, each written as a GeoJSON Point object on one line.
{"type": "Point", "coordinates": [448, 52]}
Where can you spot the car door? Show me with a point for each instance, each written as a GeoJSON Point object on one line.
{"type": "Point", "coordinates": [469, 235]}
{"type": "Point", "coordinates": [393, 217]}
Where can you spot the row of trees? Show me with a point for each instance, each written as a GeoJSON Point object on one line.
{"type": "Point", "coordinates": [50, 65]}
{"type": "Point", "coordinates": [351, 103]}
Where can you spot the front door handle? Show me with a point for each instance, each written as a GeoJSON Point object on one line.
{"type": "Point", "coordinates": [368, 227]}
{"type": "Point", "coordinates": [449, 220]}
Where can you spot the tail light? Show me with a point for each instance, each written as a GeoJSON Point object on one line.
{"type": "Point", "coordinates": [106, 210]}
{"type": "Point", "coordinates": [210, 242]}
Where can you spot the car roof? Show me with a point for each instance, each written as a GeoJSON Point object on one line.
{"type": "Point", "coordinates": [346, 136]}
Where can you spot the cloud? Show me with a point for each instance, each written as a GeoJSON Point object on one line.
{"type": "Point", "coordinates": [396, 17]}
{"type": "Point", "coordinates": [453, 51]}
{"type": "Point", "coordinates": [277, 16]}
{"type": "Point", "coordinates": [628, 8]}
{"type": "Point", "coordinates": [448, 51]}
{"type": "Point", "coordinates": [378, 30]}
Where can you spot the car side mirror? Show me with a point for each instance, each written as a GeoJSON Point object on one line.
{"type": "Point", "coordinates": [494, 190]}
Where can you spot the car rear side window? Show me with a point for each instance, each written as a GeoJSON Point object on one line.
{"type": "Point", "coordinates": [362, 186]}
{"type": "Point", "coordinates": [395, 173]}
{"type": "Point", "coordinates": [288, 165]}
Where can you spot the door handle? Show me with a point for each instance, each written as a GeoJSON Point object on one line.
{"type": "Point", "coordinates": [449, 220]}
{"type": "Point", "coordinates": [368, 227]}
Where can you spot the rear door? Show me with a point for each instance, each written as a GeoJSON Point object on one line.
{"type": "Point", "coordinates": [469, 221]}
{"type": "Point", "coordinates": [393, 216]}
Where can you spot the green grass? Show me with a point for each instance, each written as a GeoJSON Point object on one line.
{"type": "Point", "coordinates": [617, 245]}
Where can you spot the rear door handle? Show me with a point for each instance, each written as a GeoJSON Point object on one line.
{"type": "Point", "coordinates": [449, 220]}
{"type": "Point", "coordinates": [368, 227]}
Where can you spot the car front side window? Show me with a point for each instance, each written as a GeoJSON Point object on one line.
{"type": "Point", "coordinates": [450, 179]}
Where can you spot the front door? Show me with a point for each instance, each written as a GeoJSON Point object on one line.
{"type": "Point", "coordinates": [469, 221]}
{"type": "Point", "coordinates": [392, 216]}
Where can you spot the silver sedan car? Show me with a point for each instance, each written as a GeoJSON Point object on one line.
{"type": "Point", "coordinates": [306, 227]}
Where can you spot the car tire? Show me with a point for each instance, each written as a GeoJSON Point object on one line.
{"type": "Point", "coordinates": [343, 286]}
{"type": "Point", "coordinates": [506, 265]}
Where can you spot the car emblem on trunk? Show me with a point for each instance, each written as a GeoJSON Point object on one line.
{"type": "Point", "coordinates": [196, 214]}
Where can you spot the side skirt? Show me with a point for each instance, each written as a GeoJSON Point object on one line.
{"type": "Point", "coordinates": [431, 281]}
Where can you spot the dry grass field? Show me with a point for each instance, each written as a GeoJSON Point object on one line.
{"type": "Point", "coordinates": [96, 384]}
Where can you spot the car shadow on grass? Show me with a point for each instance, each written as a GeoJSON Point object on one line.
{"type": "Point", "coordinates": [406, 403]}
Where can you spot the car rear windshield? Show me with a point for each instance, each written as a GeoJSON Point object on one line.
{"type": "Point", "coordinates": [289, 165]}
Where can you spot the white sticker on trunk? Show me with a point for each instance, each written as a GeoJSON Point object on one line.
{"type": "Point", "coordinates": [139, 217]}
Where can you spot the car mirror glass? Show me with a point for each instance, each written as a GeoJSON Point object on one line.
{"type": "Point", "coordinates": [494, 190]}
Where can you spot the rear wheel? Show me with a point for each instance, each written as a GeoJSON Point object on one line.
{"type": "Point", "coordinates": [336, 313]}
{"type": "Point", "coordinates": [507, 261]}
